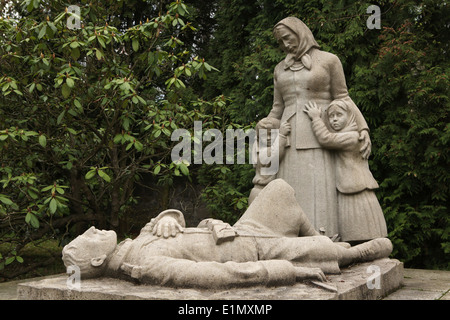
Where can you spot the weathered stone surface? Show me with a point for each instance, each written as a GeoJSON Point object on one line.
{"type": "Point", "coordinates": [264, 250]}
{"type": "Point", "coordinates": [350, 284]}
{"type": "Point", "coordinates": [323, 161]}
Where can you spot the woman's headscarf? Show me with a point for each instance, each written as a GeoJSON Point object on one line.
{"type": "Point", "coordinates": [305, 39]}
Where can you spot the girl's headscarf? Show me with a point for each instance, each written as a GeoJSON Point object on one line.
{"type": "Point", "coordinates": [305, 39]}
{"type": "Point", "coordinates": [351, 124]}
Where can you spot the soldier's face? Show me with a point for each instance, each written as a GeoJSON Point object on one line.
{"type": "Point", "coordinates": [93, 243]}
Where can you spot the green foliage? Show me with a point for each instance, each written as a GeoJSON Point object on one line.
{"type": "Point", "coordinates": [398, 76]}
{"type": "Point", "coordinates": [227, 198]}
{"type": "Point", "coordinates": [85, 113]}
{"type": "Point", "coordinates": [405, 95]}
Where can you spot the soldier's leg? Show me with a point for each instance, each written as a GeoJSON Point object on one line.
{"type": "Point", "coordinates": [367, 251]}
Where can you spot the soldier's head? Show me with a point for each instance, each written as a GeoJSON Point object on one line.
{"type": "Point", "coordinates": [89, 251]}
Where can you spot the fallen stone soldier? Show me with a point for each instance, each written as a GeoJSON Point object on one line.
{"type": "Point", "coordinates": [272, 244]}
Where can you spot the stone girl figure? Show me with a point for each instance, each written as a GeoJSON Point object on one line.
{"type": "Point", "coordinates": [360, 217]}
{"type": "Point", "coordinates": [308, 73]}
{"type": "Point", "coordinates": [273, 149]}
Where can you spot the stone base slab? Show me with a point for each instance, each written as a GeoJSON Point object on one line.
{"type": "Point", "coordinates": [365, 281]}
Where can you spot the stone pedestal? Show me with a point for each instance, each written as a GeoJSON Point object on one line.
{"type": "Point", "coordinates": [365, 281]}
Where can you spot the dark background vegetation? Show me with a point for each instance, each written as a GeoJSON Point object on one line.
{"type": "Point", "coordinates": [86, 115]}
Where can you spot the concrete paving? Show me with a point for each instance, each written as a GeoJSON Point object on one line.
{"type": "Point", "coordinates": [423, 285]}
{"type": "Point", "coordinates": [417, 285]}
{"type": "Point", "coordinates": [8, 290]}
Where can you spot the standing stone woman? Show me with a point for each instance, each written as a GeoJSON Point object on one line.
{"type": "Point", "coordinates": [308, 73]}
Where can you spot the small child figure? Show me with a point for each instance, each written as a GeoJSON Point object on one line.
{"type": "Point", "coordinates": [360, 217]}
{"type": "Point", "coordinates": [273, 149]}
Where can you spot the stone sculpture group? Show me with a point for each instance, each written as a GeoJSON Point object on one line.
{"type": "Point", "coordinates": [319, 213]}
{"type": "Point", "coordinates": [325, 160]}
